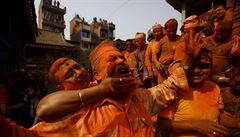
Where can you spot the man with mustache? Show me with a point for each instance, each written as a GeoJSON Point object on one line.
{"type": "Point", "coordinates": [125, 111]}
{"type": "Point", "coordinates": [72, 80]}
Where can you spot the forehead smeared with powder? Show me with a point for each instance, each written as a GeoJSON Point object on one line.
{"type": "Point", "coordinates": [98, 53]}
{"type": "Point", "coordinates": [55, 67]}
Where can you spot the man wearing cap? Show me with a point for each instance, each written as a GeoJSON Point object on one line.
{"type": "Point", "coordinates": [139, 68]}
{"type": "Point", "coordinates": [164, 51]}
{"type": "Point", "coordinates": [157, 35]}
{"type": "Point", "coordinates": [189, 48]}
{"type": "Point", "coordinates": [128, 52]}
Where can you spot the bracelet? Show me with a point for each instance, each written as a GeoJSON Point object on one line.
{"type": "Point", "coordinates": [80, 96]}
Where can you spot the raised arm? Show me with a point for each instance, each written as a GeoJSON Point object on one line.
{"type": "Point", "coordinates": [166, 92]}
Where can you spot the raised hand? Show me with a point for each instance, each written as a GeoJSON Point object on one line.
{"type": "Point", "coordinates": [193, 43]}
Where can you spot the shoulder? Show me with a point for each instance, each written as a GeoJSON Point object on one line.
{"type": "Point", "coordinates": [212, 86]}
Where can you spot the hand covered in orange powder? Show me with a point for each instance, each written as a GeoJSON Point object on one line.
{"type": "Point", "coordinates": [193, 43]}
{"type": "Point", "coordinates": [115, 86]}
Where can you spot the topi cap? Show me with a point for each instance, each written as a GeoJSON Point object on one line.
{"type": "Point", "coordinates": [140, 35]}
{"type": "Point", "coordinates": [156, 26]}
{"type": "Point", "coordinates": [191, 22]}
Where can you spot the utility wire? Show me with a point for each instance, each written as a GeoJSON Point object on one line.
{"type": "Point", "coordinates": [113, 12]}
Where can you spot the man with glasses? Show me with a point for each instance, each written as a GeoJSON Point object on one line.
{"type": "Point", "coordinates": [199, 111]}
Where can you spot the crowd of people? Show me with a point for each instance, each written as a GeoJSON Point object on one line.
{"type": "Point", "coordinates": [162, 85]}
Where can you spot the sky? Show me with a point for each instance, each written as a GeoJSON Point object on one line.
{"type": "Point", "coordinates": [129, 16]}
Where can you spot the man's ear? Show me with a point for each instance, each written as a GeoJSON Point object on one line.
{"type": "Point", "coordinates": [96, 75]}
{"type": "Point", "coordinates": [60, 86]}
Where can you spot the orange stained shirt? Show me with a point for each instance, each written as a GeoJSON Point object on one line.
{"type": "Point", "coordinates": [130, 117]}
{"type": "Point", "coordinates": [197, 104]}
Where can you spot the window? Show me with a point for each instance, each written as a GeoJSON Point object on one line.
{"type": "Point", "coordinates": [85, 34]}
{"type": "Point", "coordinates": [86, 46]}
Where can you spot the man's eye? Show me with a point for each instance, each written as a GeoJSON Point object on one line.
{"type": "Point", "coordinates": [69, 74]}
{"type": "Point", "coordinates": [122, 57]}
{"type": "Point", "coordinates": [112, 58]}
{"type": "Point", "coordinates": [77, 66]}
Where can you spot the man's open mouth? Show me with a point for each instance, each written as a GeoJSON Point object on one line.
{"type": "Point", "coordinates": [123, 70]}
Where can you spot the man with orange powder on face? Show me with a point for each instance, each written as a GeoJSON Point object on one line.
{"type": "Point", "coordinates": [67, 75]}
{"type": "Point", "coordinates": [126, 110]}
{"type": "Point", "coordinates": [163, 51]}
{"type": "Point", "coordinates": [199, 111]}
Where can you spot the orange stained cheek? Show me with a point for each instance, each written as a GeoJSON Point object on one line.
{"type": "Point", "coordinates": [59, 75]}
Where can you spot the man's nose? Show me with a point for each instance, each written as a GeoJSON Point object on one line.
{"type": "Point", "coordinates": [196, 69]}
{"type": "Point", "coordinates": [120, 60]}
{"type": "Point", "coordinates": [78, 71]}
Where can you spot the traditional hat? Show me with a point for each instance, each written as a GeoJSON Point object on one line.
{"type": "Point", "coordinates": [140, 35]}
{"type": "Point", "coordinates": [156, 26]}
{"type": "Point", "coordinates": [191, 22]}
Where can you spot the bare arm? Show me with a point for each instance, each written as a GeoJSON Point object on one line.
{"type": "Point", "coordinates": [165, 93]}
{"type": "Point", "coordinates": [61, 103]}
